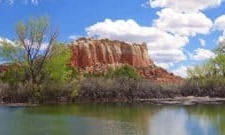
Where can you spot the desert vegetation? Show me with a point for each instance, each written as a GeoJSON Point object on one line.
{"type": "Point", "coordinates": [40, 72]}
{"type": "Point", "coordinates": [38, 68]}
{"type": "Point", "coordinates": [207, 79]}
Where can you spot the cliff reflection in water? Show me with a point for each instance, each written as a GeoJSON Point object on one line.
{"type": "Point", "coordinates": [113, 120]}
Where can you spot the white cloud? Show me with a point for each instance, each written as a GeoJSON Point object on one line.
{"type": "Point", "coordinates": [43, 47]}
{"type": "Point", "coordinates": [202, 54]}
{"type": "Point", "coordinates": [6, 40]}
{"type": "Point", "coordinates": [164, 65]}
{"type": "Point", "coordinates": [219, 23]}
{"type": "Point", "coordinates": [202, 42]}
{"type": "Point", "coordinates": [181, 71]}
{"type": "Point", "coordinates": [164, 48]}
{"type": "Point", "coordinates": [130, 31]}
{"type": "Point", "coordinates": [167, 56]}
{"type": "Point", "coordinates": [172, 122]}
{"type": "Point", "coordinates": [127, 30]}
{"type": "Point", "coordinates": [221, 38]}
{"type": "Point", "coordinates": [186, 24]}
{"type": "Point", "coordinates": [185, 5]}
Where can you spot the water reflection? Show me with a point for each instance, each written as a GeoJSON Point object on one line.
{"type": "Point", "coordinates": [113, 120]}
{"type": "Point", "coordinates": [178, 122]}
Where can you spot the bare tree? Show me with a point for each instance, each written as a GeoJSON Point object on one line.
{"type": "Point", "coordinates": [35, 41]}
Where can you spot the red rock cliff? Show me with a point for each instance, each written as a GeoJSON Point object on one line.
{"type": "Point", "coordinates": [90, 55]}
{"type": "Point", "coordinates": [88, 52]}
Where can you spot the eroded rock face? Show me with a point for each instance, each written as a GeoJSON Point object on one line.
{"type": "Point", "coordinates": [97, 56]}
{"type": "Point", "coordinates": [159, 74]}
{"type": "Point", "coordinates": [88, 52]}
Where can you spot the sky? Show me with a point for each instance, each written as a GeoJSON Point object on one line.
{"type": "Point", "coordinates": [179, 33]}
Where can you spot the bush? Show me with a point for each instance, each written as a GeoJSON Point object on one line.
{"type": "Point", "coordinates": [58, 92]}
{"type": "Point", "coordinates": [57, 65]}
{"type": "Point", "coordinates": [213, 87]}
{"type": "Point", "coordinates": [13, 75]}
{"type": "Point", "coordinates": [124, 71]}
{"type": "Point", "coordinates": [16, 94]}
{"type": "Point", "coordinates": [121, 89]}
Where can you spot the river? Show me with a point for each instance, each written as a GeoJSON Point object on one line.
{"type": "Point", "coordinates": [86, 119]}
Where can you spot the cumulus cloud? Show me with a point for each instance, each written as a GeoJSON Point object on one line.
{"type": "Point", "coordinates": [186, 24]}
{"type": "Point", "coordinates": [164, 65]}
{"type": "Point", "coordinates": [185, 5]}
{"type": "Point", "coordinates": [169, 34]}
{"type": "Point", "coordinates": [202, 42]}
{"type": "Point", "coordinates": [181, 71]}
{"type": "Point", "coordinates": [202, 54]}
{"type": "Point", "coordinates": [221, 38]}
{"type": "Point", "coordinates": [2, 39]}
{"type": "Point", "coordinates": [164, 48]}
{"type": "Point", "coordinates": [167, 56]}
{"type": "Point", "coordinates": [219, 24]}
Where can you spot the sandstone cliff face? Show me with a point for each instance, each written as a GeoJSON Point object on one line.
{"type": "Point", "coordinates": [88, 52]}
{"type": "Point", "coordinates": [90, 55]}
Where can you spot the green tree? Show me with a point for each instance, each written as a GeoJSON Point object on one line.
{"type": "Point", "coordinates": [213, 68]}
{"type": "Point", "coordinates": [57, 65]}
{"type": "Point", "coordinates": [33, 47]}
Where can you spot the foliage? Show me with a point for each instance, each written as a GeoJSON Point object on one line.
{"type": "Point", "coordinates": [36, 40]}
{"type": "Point", "coordinates": [208, 79]}
{"type": "Point", "coordinates": [30, 51]}
{"type": "Point", "coordinates": [57, 66]}
{"type": "Point", "coordinates": [124, 71]}
{"type": "Point", "coordinates": [10, 52]}
{"type": "Point", "coordinates": [39, 66]}
{"type": "Point", "coordinates": [214, 67]}
{"type": "Point", "coordinates": [13, 75]}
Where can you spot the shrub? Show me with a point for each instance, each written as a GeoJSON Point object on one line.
{"type": "Point", "coordinates": [124, 71]}
{"type": "Point", "coordinates": [13, 75]}
{"type": "Point", "coordinates": [212, 86]}
{"type": "Point", "coordinates": [121, 89]}
{"type": "Point", "coordinates": [57, 65]}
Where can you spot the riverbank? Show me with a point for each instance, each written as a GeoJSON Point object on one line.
{"type": "Point", "coordinates": [17, 104]}
{"type": "Point", "coordinates": [117, 90]}
{"type": "Point", "coordinates": [190, 100]}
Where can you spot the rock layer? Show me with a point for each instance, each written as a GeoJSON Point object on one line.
{"type": "Point", "coordinates": [88, 52]}
{"type": "Point", "coordinates": [97, 56]}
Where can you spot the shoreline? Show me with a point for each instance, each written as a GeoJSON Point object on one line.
{"type": "Point", "coordinates": [189, 100]}
{"type": "Point", "coordinates": [3, 104]}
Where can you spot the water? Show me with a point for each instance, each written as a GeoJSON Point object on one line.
{"type": "Point", "coordinates": [113, 120]}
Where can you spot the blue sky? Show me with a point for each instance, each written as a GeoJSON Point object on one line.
{"type": "Point", "coordinates": [179, 33]}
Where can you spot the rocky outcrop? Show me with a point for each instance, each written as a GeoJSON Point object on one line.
{"type": "Point", "coordinates": [88, 52]}
{"type": "Point", "coordinates": [97, 56]}
{"type": "Point", "coordinates": [159, 75]}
